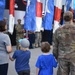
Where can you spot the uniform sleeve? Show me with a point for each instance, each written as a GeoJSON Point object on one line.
{"type": "Point", "coordinates": [54, 62]}
{"type": "Point", "coordinates": [55, 45]}
{"type": "Point", "coordinates": [38, 63]}
{"type": "Point", "coordinates": [7, 41]}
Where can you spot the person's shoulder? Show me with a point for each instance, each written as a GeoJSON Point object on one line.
{"type": "Point", "coordinates": [5, 35]}
{"type": "Point", "coordinates": [61, 27]}
{"type": "Point", "coordinates": [16, 25]}
{"type": "Point", "coordinates": [28, 51]}
{"type": "Point", "coordinates": [73, 25]}
{"type": "Point", "coordinates": [58, 30]}
{"type": "Point", "coordinates": [39, 56]}
{"type": "Point", "coordinates": [51, 55]}
{"type": "Point", "coordinates": [17, 51]}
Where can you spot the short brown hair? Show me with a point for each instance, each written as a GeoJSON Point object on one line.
{"type": "Point", "coordinates": [19, 20]}
{"type": "Point", "coordinates": [2, 26]}
{"type": "Point", "coordinates": [45, 47]}
{"type": "Point", "coordinates": [68, 16]}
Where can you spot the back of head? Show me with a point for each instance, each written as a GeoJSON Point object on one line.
{"type": "Point", "coordinates": [68, 16]}
{"type": "Point", "coordinates": [2, 26]}
{"type": "Point", "coordinates": [24, 43]}
{"type": "Point", "coordinates": [45, 47]}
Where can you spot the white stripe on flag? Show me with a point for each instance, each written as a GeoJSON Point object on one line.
{"type": "Point", "coordinates": [11, 16]}
{"type": "Point", "coordinates": [72, 3]}
{"type": "Point", "coordinates": [38, 15]}
{"type": "Point", "coordinates": [56, 25]}
{"type": "Point", "coordinates": [58, 3]}
{"type": "Point", "coordinates": [38, 24]}
{"type": "Point", "coordinates": [11, 23]}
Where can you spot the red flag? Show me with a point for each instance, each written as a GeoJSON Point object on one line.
{"type": "Point", "coordinates": [57, 15]}
{"type": "Point", "coordinates": [11, 16]}
{"type": "Point", "coordinates": [38, 15]}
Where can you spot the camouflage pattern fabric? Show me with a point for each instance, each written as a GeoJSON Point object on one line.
{"type": "Point", "coordinates": [64, 49]}
{"type": "Point", "coordinates": [19, 34]}
{"type": "Point", "coordinates": [38, 39]}
{"type": "Point", "coordinates": [66, 67]}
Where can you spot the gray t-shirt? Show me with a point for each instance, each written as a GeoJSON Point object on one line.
{"type": "Point", "coordinates": [4, 41]}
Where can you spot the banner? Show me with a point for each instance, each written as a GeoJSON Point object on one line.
{"type": "Point", "coordinates": [57, 14]}
{"type": "Point", "coordinates": [30, 16]}
{"type": "Point", "coordinates": [11, 16]}
{"type": "Point", "coordinates": [49, 14]}
{"type": "Point", "coordinates": [2, 7]}
{"type": "Point", "coordinates": [38, 15]}
{"type": "Point", "coordinates": [67, 5]}
{"type": "Point", "coordinates": [73, 6]}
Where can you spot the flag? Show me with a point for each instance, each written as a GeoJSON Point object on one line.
{"type": "Point", "coordinates": [67, 5]}
{"type": "Point", "coordinates": [57, 14]}
{"type": "Point", "coordinates": [73, 6]}
{"type": "Point", "coordinates": [30, 16]}
{"type": "Point", "coordinates": [49, 13]}
{"type": "Point", "coordinates": [20, 8]}
{"type": "Point", "coordinates": [11, 16]}
{"type": "Point", "coordinates": [2, 7]}
{"type": "Point", "coordinates": [20, 5]}
{"type": "Point", "coordinates": [38, 15]}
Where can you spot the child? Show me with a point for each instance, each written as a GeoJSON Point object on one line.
{"type": "Point", "coordinates": [22, 57]}
{"type": "Point", "coordinates": [46, 61]}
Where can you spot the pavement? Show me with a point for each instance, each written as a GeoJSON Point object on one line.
{"type": "Point", "coordinates": [34, 55]}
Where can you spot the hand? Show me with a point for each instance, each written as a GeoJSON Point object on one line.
{"type": "Point", "coordinates": [11, 58]}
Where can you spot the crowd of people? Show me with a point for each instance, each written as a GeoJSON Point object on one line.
{"type": "Point", "coordinates": [35, 38]}
{"type": "Point", "coordinates": [63, 54]}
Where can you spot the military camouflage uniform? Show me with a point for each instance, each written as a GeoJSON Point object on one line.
{"type": "Point", "coordinates": [38, 39]}
{"type": "Point", "coordinates": [19, 34]}
{"type": "Point", "coordinates": [64, 49]}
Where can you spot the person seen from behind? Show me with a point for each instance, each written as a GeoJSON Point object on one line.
{"type": "Point", "coordinates": [64, 46]}
{"type": "Point", "coordinates": [22, 57]}
{"type": "Point", "coordinates": [46, 61]}
{"type": "Point", "coordinates": [5, 49]}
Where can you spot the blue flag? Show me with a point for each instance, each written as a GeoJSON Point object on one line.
{"type": "Point", "coordinates": [30, 16]}
{"type": "Point", "coordinates": [49, 13]}
{"type": "Point", "coordinates": [74, 5]}
{"type": "Point", "coordinates": [2, 7]}
{"type": "Point", "coordinates": [67, 4]}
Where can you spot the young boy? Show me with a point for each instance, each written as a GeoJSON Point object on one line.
{"type": "Point", "coordinates": [46, 61]}
{"type": "Point", "coordinates": [22, 57]}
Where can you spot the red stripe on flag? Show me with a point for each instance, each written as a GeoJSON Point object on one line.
{"type": "Point", "coordinates": [39, 9]}
{"type": "Point", "coordinates": [57, 14]}
{"type": "Point", "coordinates": [12, 3]}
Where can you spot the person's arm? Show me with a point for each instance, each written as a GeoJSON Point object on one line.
{"type": "Point", "coordinates": [38, 66]}
{"type": "Point", "coordinates": [13, 56]}
{"type": "Point", "coordinates": [12, 59]}
{"type": "Point", "coordinates": [37, 71]}
{"type": "Point", "coordinates": [54, 62]}
{"type": "Point", "coordinates": [55, 44]}
{"type": "Point", "coordinates": [7, 43]}
{"type": "Point", "coordinates": [9, 49]}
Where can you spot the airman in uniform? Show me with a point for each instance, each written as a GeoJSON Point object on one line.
{"type": "Point", "coordinates": [64, 46]}
{"type": "Point", "coordinates": [19, 33]}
